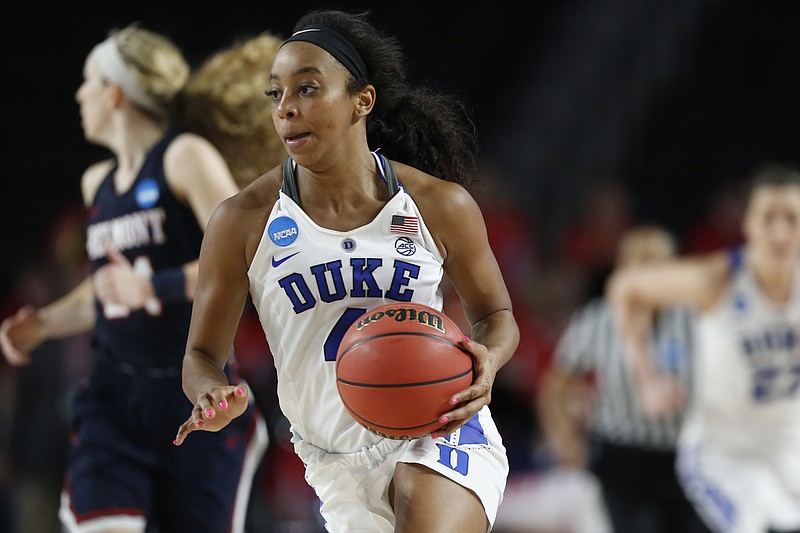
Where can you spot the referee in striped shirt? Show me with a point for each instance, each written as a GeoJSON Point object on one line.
{"type": "Point", "coordinates": [591, 416]}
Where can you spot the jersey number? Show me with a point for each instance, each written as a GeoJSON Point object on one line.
{"type": "Point", "coordinates": [776, 383]}
{"type": "Point", "coordinates": [331, 346]}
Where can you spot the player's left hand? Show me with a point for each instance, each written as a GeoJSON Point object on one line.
{"type": "Point", "coordinates": [469, 401]}
{"type": "Point", "coordinates": [214, 410]}
{"type": "Point", "coordinates": [117, 283]}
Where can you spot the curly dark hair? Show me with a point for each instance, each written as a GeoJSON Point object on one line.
{"type": "Point", "coordinates": [410, 123]}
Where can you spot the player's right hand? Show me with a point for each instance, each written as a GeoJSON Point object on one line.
{"type": "Point", "coordinates": [20, 334]}
{"type": "Point", "coordinates": [214, 410]}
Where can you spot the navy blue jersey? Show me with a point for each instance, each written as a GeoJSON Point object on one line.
{"type": "Point", "coordinates": [124, 470]}
{"type": "Point", "coordinates": [155, 231]}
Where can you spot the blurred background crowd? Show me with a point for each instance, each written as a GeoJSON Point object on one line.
{"type": "Point", "coordinates": [594, 116]}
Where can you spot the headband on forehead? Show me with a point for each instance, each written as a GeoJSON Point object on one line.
{"type": "Point", "coordinates": [336, 45]}
{"type": "Point", "coordinates": [111, 65]}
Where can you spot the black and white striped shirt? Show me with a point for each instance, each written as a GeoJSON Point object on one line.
{"type": "Point", "coordinates": [591, 346]}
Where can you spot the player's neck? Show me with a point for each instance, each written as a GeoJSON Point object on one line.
{"type": "Point", "coordinates": [775, 279]}
{"type": "Point", "coordinates": [132, 146]}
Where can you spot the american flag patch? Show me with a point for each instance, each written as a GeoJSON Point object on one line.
{"type": "Point", "coordinates": [404, 224]}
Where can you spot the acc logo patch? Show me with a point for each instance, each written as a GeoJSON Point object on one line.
{"type": "Point", "coordinates": [147, 193]}
{"type": "Point", "coordinates": [405, 246]}
{"type": "Point", "coordinates": [282, 231]}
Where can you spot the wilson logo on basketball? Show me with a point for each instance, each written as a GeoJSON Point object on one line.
{"type": "Point", "coordinates": [397, 369]}
{"type": "Point", "coordinates": [404, 314]}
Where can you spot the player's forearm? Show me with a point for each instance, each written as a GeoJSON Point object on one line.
{"type": "Point", "coordinates": [71, 314]}
{"type": "Point", "coordinates": [563, 432]}
{"type": "Point", "coordinates": [499, 333]}
{"type": "Point", "coordinates": [201, 373]}
{"type": "Point", "coordinates": [556, 422]}
{"type": "Point", "coordinates": [190, 273]}
{"type": "Point", "coordinates": [634, 321]}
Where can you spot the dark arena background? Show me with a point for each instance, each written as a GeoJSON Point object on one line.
{"type": "Point", "coordinates": [593, 115]}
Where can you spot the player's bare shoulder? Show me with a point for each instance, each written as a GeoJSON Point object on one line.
{"type": "Point", "coordinates": [261, 193]}
{"type": "Point", "coordinates": [431, 194]}
{"type": "Point", "coordinates": [448, 209]}
{"type": "Point", "coordinates": [245, 213]}
{"type": "Point", "coordinates": [189, 150]}
{"type": "Point", "coordinates": [188, 144]}
{"type": "Point", "coordinates": [255, 200]}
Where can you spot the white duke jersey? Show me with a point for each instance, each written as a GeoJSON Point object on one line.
{"type": "Point", "coordinates": [310, 283]}
{"type": "Point", "coordinates": [748, 364]}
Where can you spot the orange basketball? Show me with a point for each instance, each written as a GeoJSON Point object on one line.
{"type": "Point", "coordinates": [397, 367]}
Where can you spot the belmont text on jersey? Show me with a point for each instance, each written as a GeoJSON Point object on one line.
{"type": "Point", "coordinates": [132, 230]}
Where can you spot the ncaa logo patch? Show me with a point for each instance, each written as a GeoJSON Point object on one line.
{"type": "Point", "coordinates": [405, 246]}
{"type": "Point", "coordinates": [282, 231]}
{"type": "Point", "coordinates": [147, 193]}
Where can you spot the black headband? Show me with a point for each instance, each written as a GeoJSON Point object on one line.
{"type": "Point", "coordinates": [335, 45]}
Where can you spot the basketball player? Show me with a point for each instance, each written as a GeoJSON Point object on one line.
{"type": "Point", "coordinates": [326, 237]}
{"type": "Point", "coordinates": [739, 449]}
{"type": "Point", "coordinates": [147, 209]}
{"type": "Point", "coordinates": [632, 455]}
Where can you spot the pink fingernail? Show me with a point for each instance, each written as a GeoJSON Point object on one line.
{"type": "Point", "coordinates": [209, 413]}
{"type": "Point", "coordinates": [444, 420]}
{"type": "Point", "coordinates": [453, 401]}
{"type": "Point", "coordinates": [175, 442]}
{"type": "Point", "coordinates": [435, 436]}
{"type": "Point", "coordinates": [240, 391]}
{"type": "Point", "coordinates": [199, 422]}
{"type": "Point", "coordinates": [223, 405]}
{"type": "Point", "coordinates": [466, 338]}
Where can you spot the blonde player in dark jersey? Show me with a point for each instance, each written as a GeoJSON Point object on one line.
{"type": "Point", "coordinates": [147, 208]}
